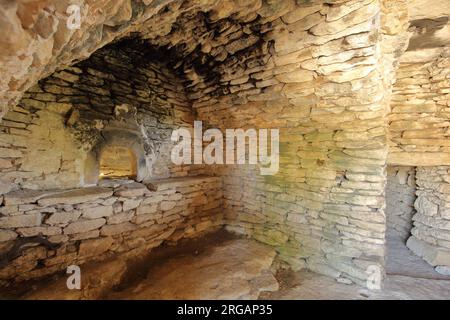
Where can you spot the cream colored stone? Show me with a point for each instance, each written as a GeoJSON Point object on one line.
{"type": "Point", "coordinates": [131, 190]}
{"type": "Point", "coordinates": [7, 235]}
{"type": "Point", "coordinates": [97, 212]}
{"type": "Point", "coordinates": [76, 196]}
{"type": "Point", "coordinates": [82, 226]}
{"type": "Point", "coordinates": [63, 217]}
{"type": "Point", "coordinates": [23, 220]}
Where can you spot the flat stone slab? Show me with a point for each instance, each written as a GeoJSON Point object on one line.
{"type": "Point", "coordinates": [131, 190]}
{"type": "Point", "coordinates": [25, 196]}
{"type": "Point", "coordinates": [235, 269]}
{"type": "Point", "coordinates": [436, 256]}
{"type": "Point", "coordinates": [76, 196]}
{"type": "Point", "coordinates": [113, 183]}
{"type": "Point", "coordinates": [402, 261]}
{"type": "Point", "coordinates": [164, 184]}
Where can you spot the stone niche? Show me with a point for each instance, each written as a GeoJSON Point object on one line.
{"type": "Point", "coordinates": [62, 126]}
{"type": "Point", "coordinates": [117, 161]}
{"type": "Point", "coordinates": [119, 153]}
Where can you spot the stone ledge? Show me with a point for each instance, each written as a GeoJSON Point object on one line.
{"type": "Point", "coordinates": [164, 184]}
{"type": "Point", "coordinates": [76, 196]}
{"type": "Point", "coordinates": [436, 256]}
{"type": "Point", "coordinates": [25, 196]}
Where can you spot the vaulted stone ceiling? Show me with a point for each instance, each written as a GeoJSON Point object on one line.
{"type": "Point", "coordinates": [37, 40]}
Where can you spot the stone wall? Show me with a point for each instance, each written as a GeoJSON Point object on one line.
{"type": "Point", "coordinates": [51, 138]}
{"type": "Point", "coordinates": [418, 136]}
{"type": "Point", "coordinates": [400, 197]}
{"type": "Point", "coordinates": [118, 217]}
{"type": "Point", "coordinates": [431, 233]}
{"type": "Point", "coordinates": [117, 162]}
{"type": "Point", "coordinates": [418, 121]}
{"type": "Point", "coordinates": [319, 71]}
{"type": "Point", "coordinates": [315, 76]}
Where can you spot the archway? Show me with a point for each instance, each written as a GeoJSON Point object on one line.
{"type": "Point", "coordinates": [119, 154]}
{"type": "Point", "coordinates": [118, 162]}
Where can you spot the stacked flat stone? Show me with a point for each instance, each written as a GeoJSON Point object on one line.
{"type": "Point", "coordinates": [316, 77]}
{"type": "Point", "coordinates": [400, 197]}
{"type": "Point", "coordinates": [97, 222]}
{"type": "Point", "coordinates": [320, 71]}
{"type": "Point", "coordinates": [418, 121]}
{"type": "Point", "coordinates": [45, 140]}
{"type": "Point", "coordinates": [431, 233]}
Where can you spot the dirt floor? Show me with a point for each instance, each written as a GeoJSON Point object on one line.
{"type": "Point", "coordinates": [223, 266]}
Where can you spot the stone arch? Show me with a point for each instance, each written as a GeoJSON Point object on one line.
{"type": "Point", "coordinates": [119, 138]}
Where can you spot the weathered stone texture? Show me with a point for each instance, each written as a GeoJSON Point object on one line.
{"type": "Point", "coordinates": [319, 71]}
{"type": "Point", "coordinates": [400, 198]}
{"type": "Point", "coordinates": [418, 122]}
{"type": "Point", "coordinates": [91, 228]}
{"type": "Point", "coordinates": [431, 233]}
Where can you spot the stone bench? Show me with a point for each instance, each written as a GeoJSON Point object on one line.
{"type": "Point", "coordinates": [100, 220]}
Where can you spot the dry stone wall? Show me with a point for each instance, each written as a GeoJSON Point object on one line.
{"type": "Point", "coordinates": [431, 233]}
{"type": "Point", "coordinates": [319, 71]}
{"type": "Point", "coordinates": [418, 121]}
{"type": "Point", "coordinates": [117, 217]}
{"type": "Point", "coordinates": [315, 75]}
{"type": "Point", "coordinates": [418, 136]}
{"type": "Point", "coordinates": [400, 198]}
{"type": "Point", "coordinates": [46, 141]}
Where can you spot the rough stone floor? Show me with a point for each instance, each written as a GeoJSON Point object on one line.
{"type": "Point", "coordinates": [408, 277]}
{"type": "Point", "coordinates": [221, 266]}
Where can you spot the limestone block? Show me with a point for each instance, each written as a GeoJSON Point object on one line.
{"type": "Point", "coordinates": [114, 229]}
{"type": "Point", "coordinates": [84, 226]}
{"type": "Point", "coordinates": [434, 255]}
{"type": "Point", "coordinates": [444, 270]}
{"type": "Point", "coordinates": [76, 196]}
{"type": "Point", "coordinates": [131, 190]}
{"type": "Point", "coordinates": [147, 209]}
{"type": "Point", "coordinates": [167, 205]}
{"type": "Point", "coordinates": [121, 217]}
{"type": "Point", "coordinates": [97, 212]}
{"type": "Point", "coordinates": [300, 13]}
{"type": "Point", "coordinates": [62, 217]}
{"type": "Point", "coordinates": [35, 231]}
{"type": "Point", "coordinates": [296, 76]}
{"type": "Point", "coordinates": [130, 204]}
{"type": "Point", "coordinates": [18, 221]}
{"type": "Point", "coordinates": [95, 247]}
{"type": "Point", "coordinates": [85, 235]}
{"type": "Point", "coordinates": [7, 235]}
{"type": "Point", "coordinates": [25, 196]}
